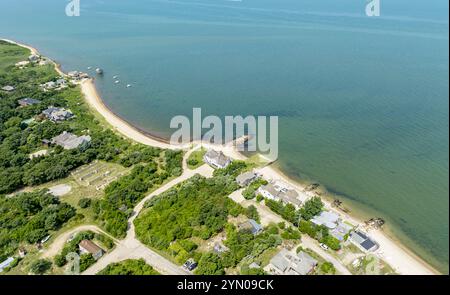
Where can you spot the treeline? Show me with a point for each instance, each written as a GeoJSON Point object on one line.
{"type": "Point", "coordinates": [28, 218]}
{"type": "Point", "coordinates": [129, 267]}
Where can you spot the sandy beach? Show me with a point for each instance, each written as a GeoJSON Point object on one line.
{"type": "Point", "coordinates": [397, 255]}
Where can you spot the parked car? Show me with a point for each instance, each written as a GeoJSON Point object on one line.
{"type": "Point", "coordinates": [190, 264]}
{"type": "Point", "coordinates": [325, 247]}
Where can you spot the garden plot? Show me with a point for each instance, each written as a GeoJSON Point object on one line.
{"type": "Point", "coordinates": [98, 174]}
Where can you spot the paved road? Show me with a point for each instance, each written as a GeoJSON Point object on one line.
{"type": "Point", "coordinates": [312, 244]}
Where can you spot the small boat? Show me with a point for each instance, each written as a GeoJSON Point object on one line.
{"type": "Point", "coordinates": [99, 71]}
{"type": "Point", "coordinates": [89, 68]}
{"type": "Point", "coordinates": [115, 77]}
{"type": "Point", "coordinates": [128, 85]}
{"type": "Point", "coordinates": [117, 82]}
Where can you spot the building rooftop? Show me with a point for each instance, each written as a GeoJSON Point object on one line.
{"type": "Point", "coordinates": [290, 264]}
{"type": "Point", "coordinates": [70, 141]}
{"type": "Point", "coordinates": [90, 246]}
{"type": "Point", "coordinates": [217, 158]}
{"type": "Point", "coordinates": [360, 238]}
{"type": "Point", "coordinates": [28, 101]}
{"type": "Point", "coordinates": [327, 218]}
{"type": "Point", "coordinates": [245, 178]}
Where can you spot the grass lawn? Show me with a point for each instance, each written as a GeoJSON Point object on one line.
{"type": "Point", "coordinates": [195, 159]}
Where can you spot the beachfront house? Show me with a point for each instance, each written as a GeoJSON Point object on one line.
{"type": "Point", "coordinates": [216, 159]}
{"type": "Point", "coordinates": [57, 114]}
{"type": "Point", "coordinates": [76, 76]}
{"type": "Point", "coordinates": [246, 178]}
{"type": "Point", "coordinates": [8, 88]}
{"type": "Point", "coordinates": [337, 228]}
{"type": "Point", "coordinates": [326, 218]}
{"type": "Point", "coordinates": [363, 241]}
{"type": "Point", "coordinates": [24, 102]}
{"type": "Point", "coordinates": [89, 247]}
{"type": "Point", "coordinates": [34, 58]}
{"type": "Point", "coordinates": [287, 263]}
{"type": "Point", "coordinates": [70, 141]}
{"type": "Point", "coordinates": [279, 191]}
{"type": "Point", "coordinates": [251, 225]}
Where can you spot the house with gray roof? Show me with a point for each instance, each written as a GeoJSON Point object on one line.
{"type": "Point", "coordinates": [24, 102]}
{"type": "Point", "coordinates": [246, 178]}
{"type": "Point", "coordinates": [216, 159]}
{"type": "Point", "coordinates": [363, 241]}
{"type": "Point", "coordinates": [276, 192]}
{"type": "Point", "coordinates": [326, 218]}
{"type": "Point", "coordinates": [341, 230]}
{"type": "Point", "coordinates": [57, 114]}
{"type": "Point", "coordinates": [70, 141]}
{"type": "Point", "coordinates": [287, 263]}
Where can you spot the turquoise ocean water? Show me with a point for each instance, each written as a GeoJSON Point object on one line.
{"type": "Point", "coordinates": [363, 102]}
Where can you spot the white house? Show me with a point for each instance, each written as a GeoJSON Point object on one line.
{"type": "Point", "coordinates": [216, 159]}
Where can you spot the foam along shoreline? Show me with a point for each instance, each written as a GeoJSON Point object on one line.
{"type": "Point", "coordinates": [399, 257]}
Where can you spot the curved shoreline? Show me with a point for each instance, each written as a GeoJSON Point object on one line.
{"type": "Point", "coordinates": [398, 255]}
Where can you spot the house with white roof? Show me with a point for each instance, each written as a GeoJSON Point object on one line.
{"type": "Point", "coordinates": [216, 159]}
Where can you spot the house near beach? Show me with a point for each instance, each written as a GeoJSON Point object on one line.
{"type": "Point", "coordinates": [89, 247]}
{"type": "Point", "coordinates": [363, 241]}
{"type": "Point", "coordinates": [34, 58]}
{"type": "Point", "coordinates": [216, 159]}
{"type": "Point", "coordinates": [278, 191]}
{"type": "Point", "coordinates": [246, 178]}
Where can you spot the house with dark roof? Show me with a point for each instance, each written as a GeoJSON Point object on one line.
{"type": "Point", "coordinates": [89, 247]}
{"type": "Point", "coordinates": [363, 241]}
{"type": "Point", "coordinates": [24, 102]}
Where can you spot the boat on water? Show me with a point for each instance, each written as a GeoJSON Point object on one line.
{"type": "Point", "coordinates": [116, 82]}
{"type": "Point", "coordinates": [99, 71]}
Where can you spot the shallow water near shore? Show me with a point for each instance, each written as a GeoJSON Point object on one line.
{"type": "Point", "coordinates": [363, 103]}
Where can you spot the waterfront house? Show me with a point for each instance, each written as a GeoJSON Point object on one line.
{"type": "Point", "coordinates": [363, 241]}
{"type": "Point", "coordinates": [89, 247]}
{"type": "Point", "coordinates": [22, 64]}
{"type": "Point", "coordinates": [70, 141]}
{"type": "Point", "coordinates": [57, 114]}
{"type": "Point", "coordinates": [246, 178]}
{"type": "Point", "coordinates": [216, 159]}
{"type": "Point", "coordinates": [326, 218]}
{"type": "Point", "coordinates": [277, 191]}
{"type": "Point", "coordinates": [288, 263]}
{"type": "Point", "coordinates": [24, 102]}
{"type": "Point", "coordinates": [34, 58]}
